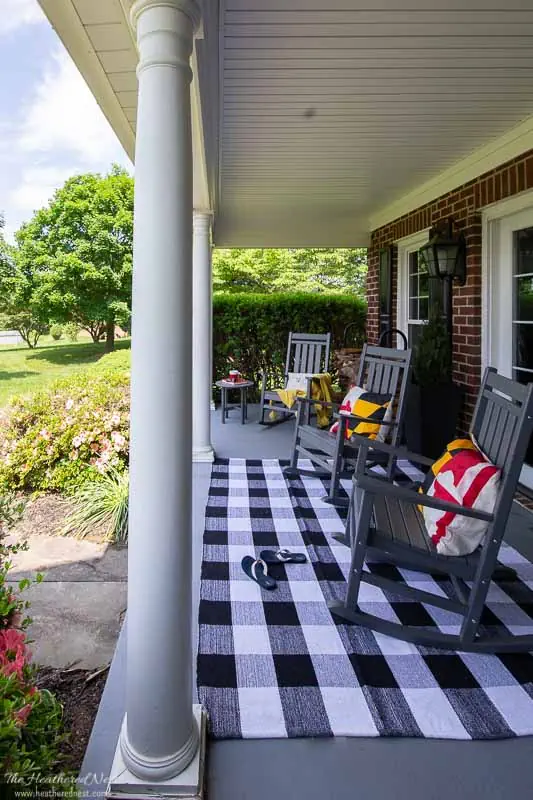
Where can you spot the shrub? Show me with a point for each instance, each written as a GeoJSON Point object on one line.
{"type": "Point", "coordinates": [254, 328]}
{"type": "Point", "coordinates": [30, 719]}
{"type": "Point", "coordinates": [71, 331]}
{"type": "Point", "coordinates": [117, 361]}
{"type": "Point", "coordinates": [60, 438]}
{"type": "Point", "coordinates": [56, 331]}
{"type": "Point", "coordinates": [11, 509]}
{"type": "Point", "coordinates": [101, 504]}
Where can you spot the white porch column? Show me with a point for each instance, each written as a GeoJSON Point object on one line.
{"type": "Point", "coordinates": [160, 736]}
{"type": "Point", "coordinates": [202, 449]}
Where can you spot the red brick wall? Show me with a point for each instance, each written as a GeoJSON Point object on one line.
{"type": "Point", "coordinates": [464, 204]}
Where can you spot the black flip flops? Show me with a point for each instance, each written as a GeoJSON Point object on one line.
{"type": "Point", "coordinates": [282, 557]}
{"type": "Point", "coordinates": [257, 570]}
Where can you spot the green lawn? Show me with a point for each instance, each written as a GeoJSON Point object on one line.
{"type": "Point", "coordinates": [23, 371]}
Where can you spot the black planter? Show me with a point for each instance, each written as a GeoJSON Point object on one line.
{"type": "Point", "coordinates": [431, 417]}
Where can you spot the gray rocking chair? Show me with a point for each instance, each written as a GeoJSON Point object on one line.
{"type": "Point", "coordinates": [382, 370]}
{"type": "Point", "coordinates": [384, 524]}
{"type": "Point", "coordinates": [306, 353]}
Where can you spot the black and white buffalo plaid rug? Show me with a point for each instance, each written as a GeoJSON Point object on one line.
{"type": "Point", "coordinates": [275, 664]}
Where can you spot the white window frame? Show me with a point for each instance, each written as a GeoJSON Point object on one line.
{"type": "Point", "coordinates": [496, 281]}
{"type": "Point", "coordinates": [406, 246]}
{"type": "Point", "coordinates": [498, 221]}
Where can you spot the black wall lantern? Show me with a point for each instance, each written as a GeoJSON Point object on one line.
{"type": "Point", "coordinates": [445, 257]}
{"type": "Point", "coordinates": [445, 254]}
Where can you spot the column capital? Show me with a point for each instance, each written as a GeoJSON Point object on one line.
{"type": "Point", "coordinates": [165, 32]}
{"type": "Point", "coordinates": [188, 7]}
{"type": "Point", "coordinates": [202, 221]}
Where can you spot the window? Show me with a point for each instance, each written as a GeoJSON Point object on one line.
{"type": "Point", "coordinates": [424, 293]}
{"type": "Point", "coordinates": [523, 305]}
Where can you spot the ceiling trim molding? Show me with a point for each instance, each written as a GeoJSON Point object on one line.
{"type": "Point", "coordinates": [513, 143]}
{"type": "Point", "coordinates": [126, 10]}
{"type": "Point", "coordinates": [220, 110]}
{"type": "Point", "coordinates": [65, 20]}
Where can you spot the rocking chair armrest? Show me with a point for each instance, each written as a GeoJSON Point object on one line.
{"type": "Point", "coordinates": [376, 485]}
{"type": "Point", "coordinates": [313, 401]}
{"type": "Point", "coordinates": [365, 444]}
{"type": "Point", "coordinates": [392, 423]}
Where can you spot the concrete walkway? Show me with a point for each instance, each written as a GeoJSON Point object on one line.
{"type": "Point", "coordinates": [77, 610]}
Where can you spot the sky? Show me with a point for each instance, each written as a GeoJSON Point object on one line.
{"type": "Point", "coordinates": [50, 125]}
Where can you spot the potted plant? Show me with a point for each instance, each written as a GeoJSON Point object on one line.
{"type": "Point", "coordinates": [434, 400]}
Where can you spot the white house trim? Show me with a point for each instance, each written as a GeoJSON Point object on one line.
{"type": "Point", "coordinates": [64, 17]}
{"type": "Point", "coordinates": [491, 217]}
{"type": "Point", "coordinates": [406, 245]}
{"type": "Point", "coordinates": [511, 205]}
{"type": "Point", "coordinates": [499, 220]}
{"type": "Point", "coordinates": [513, 143]}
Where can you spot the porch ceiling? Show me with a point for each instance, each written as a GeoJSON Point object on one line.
{"type": "Point", "coordinates": [316, 118]}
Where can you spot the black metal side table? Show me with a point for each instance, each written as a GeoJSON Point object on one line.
{"type": "Point", "coordinates": [229, 386]}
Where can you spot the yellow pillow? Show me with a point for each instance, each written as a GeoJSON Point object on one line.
{"type": "Point", "coordinates": [370, 405]}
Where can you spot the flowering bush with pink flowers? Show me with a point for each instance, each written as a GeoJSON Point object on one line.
{"type": "Point", "coordinates": [30, 718]}
{"type": "Point", "coordinates": [59, 439]}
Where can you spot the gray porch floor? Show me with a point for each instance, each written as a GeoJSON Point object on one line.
{"type": "Point", "coordinates": [315, 769]}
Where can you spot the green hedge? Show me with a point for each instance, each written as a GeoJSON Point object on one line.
{"type": "Point", "coordinates": [254, 328]}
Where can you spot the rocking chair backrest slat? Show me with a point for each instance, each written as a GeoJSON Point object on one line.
{"type": "Point", "coordinates": [486, 431]}
{"type": "Point", "coordinates": [370, 375]}
{"type": "Point", "coordinates": [302, 366]}
{"type": "Point", "coordinates": [297, 362]}
{"type": "Point", "coordinates": [308, 352]}
{"type": "Point", "coordinates": [387, 371]}
{"type": "Point", "coordinates": [386, 377]}
{"type": "Point", "coordinates": [506, 439]}
{"type": "Point", "coordinates": [492, 434]}
{"type": "Point", "coordinates": [378, 376]}
{"type": "Point", "coordinates": [316, 365]}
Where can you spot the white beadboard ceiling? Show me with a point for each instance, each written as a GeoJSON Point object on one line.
{"type": "Point", "coordinates": [317, 116]}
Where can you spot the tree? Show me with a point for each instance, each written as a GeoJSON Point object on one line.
{"type": "Point", "coordinates": [310, 270]}
{"type": "Point", "coordinates": [78, 251]}
{"type": "Point", "coordinates": [17, 309]}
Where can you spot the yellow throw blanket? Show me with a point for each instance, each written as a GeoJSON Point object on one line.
{"type": "Point", "coordinates": [320, 390]}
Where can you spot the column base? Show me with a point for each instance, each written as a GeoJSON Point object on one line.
{"type": "Point", "coordinates": [189, 784]}
{"type": "Point", "coordinates": [203, 455]}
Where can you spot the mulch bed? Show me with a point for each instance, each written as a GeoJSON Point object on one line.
{"type": "Point", "coordinates": [80, 695]}
{"type": "Point", "coordinates": [44, 514]}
